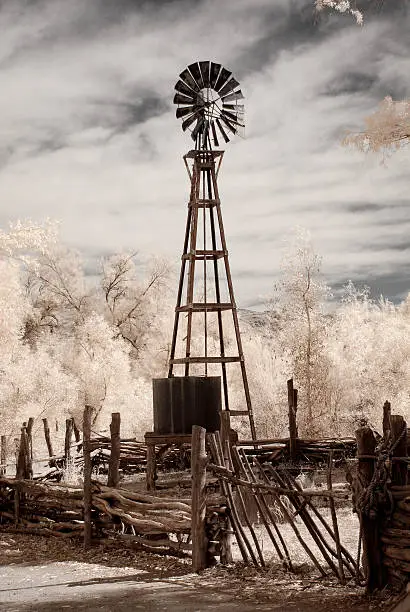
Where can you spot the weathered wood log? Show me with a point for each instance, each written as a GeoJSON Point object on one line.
{"type": "Point", "coordinates": [394, 552]}
{"type": "Point", "coordinates": [198, 471]}
{"type": "Point", "coordinates": [87, 476]}
{"type": "Point", "coordinates": [404, 566]}
{"type": "Point", "coordinates": [400, 519]}
{"type": "Point", "coordinates": [113, 469]}
{"type": "Point", "coordinates": [143, 524]}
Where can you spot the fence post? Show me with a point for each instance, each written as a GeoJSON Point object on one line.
{"type": "Point", "coordinates": [386, 420]}
{"type": "Point", "coordinates": [151, 465]}
{"type": "Point", "coordinates": [67, 442]}
{"type": "Point", "coordinates": [87, 475]}
{"type": "Point", "coordinates": [399, 436]}
{"type": "Point", "coordinates": [293, 429]}
{"type": "Point", "coordinates": [370, 525]}
{"type": "Point", "coordinates": [198, 471]}
{"type": "Point", "coordinates": [3, 455]}
{"type": "Point", "coordinates": [113, 468]}
{"type": "Point", "coordinates": [48, 442]}
{"type": "Point", "coordinates": [22, 470]}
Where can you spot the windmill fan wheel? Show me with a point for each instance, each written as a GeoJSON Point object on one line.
{"type": "Point", "coordinates": [208, 99]}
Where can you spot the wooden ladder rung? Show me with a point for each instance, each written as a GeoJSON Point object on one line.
{"type": "Point", "coordinates": [181, 360]}
{"type": "Point", "coordinates": [202, 307]}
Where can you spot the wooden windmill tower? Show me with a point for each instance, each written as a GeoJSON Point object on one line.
{"type": "Point", "coordinates": [210, 104]}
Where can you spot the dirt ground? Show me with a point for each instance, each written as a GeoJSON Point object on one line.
{"type": "Point", "coordinates": [50, 574]}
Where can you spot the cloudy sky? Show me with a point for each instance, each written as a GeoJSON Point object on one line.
{"type": "Point", "coordinates": [89, 136]}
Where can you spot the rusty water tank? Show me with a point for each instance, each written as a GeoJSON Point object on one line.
{"type": "Point", "coordinates": [182, 401]}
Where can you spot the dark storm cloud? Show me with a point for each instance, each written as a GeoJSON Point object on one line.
{"type": "Point", "coordinates": [123, 115]}
{"type": "Point", "coordinates": [393, 285]}
{"type": "Point", "coordinates": [352, 82]}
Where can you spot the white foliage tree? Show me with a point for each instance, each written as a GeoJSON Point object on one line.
{"type": "Point", "coordinates": [341, 6]}
{"type": "Point", "coordinates": [300, 299]}
{"type": "Point", "coordinates": [386, 130]}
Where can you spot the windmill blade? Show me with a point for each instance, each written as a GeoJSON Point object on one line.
{"type": "Point", "coordinates": [187, 110]}
{"type": "Point", "coordinates": [222, 78]}
{"type": "Point", "coordinates": [184, 89]}
{"type": "Point", "coordinates": [233, 97]}
{"type": "Point", "coordinates": [181, 99]}
{"type": "Point", "coordinates": [190, 120]}
{"type": "Point", "coordinates": [230, 116]}
{"type": "Point", "coordinates": [213, 74]}
{"type": "Point", "coordinates": [197, 128]}
{"type": "Point", "coordinates": [228, 124]}
{"type": "Point", "coordinates": [196, 73]}
{"type": "Point", "coordinates": [214, 136]}
{"type": "Point", "coordinates": [204, 67]}
{"type": "Point", "coordinates": [187, 78]}
{"type": "Point", "coordinates": [224, 134]}
{"type": "Point", "coordinates": [238, 108]}
{"type": "Point", "coordinates": [230, 86]}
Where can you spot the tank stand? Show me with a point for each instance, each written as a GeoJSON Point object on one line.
{"type": "Point", "coordinates": [153, 439]}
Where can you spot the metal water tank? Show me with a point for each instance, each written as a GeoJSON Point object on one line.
{"type": "Point", "coordinates": [182, 401]}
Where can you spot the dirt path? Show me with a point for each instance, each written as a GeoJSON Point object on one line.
{"type": "Point", "coordinates": [46, 574]}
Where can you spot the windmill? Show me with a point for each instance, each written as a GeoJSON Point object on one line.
{"type": "Point", "coordinates": [209, 102]}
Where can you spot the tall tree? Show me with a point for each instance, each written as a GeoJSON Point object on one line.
{"type": "Point", "coordinates": [301, 295]}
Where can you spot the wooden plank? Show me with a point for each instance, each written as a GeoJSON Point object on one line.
{"type": "Point", "coordinates": [198, 471]}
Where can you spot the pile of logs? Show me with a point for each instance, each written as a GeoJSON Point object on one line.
{"type": "Point", "coordinates": [133, 456]}
{"type": "Point", "coordinates": [57, 510]}
{"type": "Point", "coordinates": [312, 451]}
{"type": "Point", "coordinates": [395, 536]}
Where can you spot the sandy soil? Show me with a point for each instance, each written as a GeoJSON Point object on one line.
{"type": "Point", "coordinates": [49, 574]}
